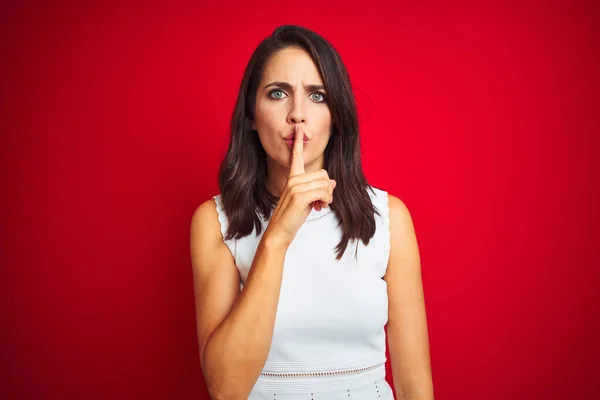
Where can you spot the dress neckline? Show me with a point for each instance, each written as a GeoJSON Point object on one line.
{"type": "Point", "coordinates": [315, 215]}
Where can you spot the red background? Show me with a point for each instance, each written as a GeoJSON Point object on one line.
{"type": "Point", "coordinates": [114, 119]}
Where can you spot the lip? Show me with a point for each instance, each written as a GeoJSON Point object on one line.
{"type": "Point", "coordinates": [292, 135]}
{"type": "Point", "coordinates": [290, 142]}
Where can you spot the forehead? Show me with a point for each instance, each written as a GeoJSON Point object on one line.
{"type": "Point", "coordinates": [292, 65]}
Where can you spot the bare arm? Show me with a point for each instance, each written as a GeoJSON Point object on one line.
{"type": "Point", "coordinates": [407, 323]}
{"type": "Point", "coordinates": [235, 328]}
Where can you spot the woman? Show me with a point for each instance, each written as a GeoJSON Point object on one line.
{"type": "Point", "coordinates": [293, 288]}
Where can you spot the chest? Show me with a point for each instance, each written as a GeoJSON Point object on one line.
{"type": "Point", "coordinates": [322, 294]}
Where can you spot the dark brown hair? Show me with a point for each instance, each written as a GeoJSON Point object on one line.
{"type": "Point", "coordinates": [243, 172]}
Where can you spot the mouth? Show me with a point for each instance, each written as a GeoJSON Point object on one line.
{"type": "Point", "coordinates": [292, 135]}
{"type": "Point", "coordinates": [290, 142]}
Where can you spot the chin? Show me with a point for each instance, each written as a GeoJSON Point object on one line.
{"type": "Point", "coordinates": [280, 159]}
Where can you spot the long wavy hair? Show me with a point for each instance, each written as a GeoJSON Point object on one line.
{"type": "Point", "coordinates": [243, 173]}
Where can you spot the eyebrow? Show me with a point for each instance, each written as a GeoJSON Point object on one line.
{"type": "Point", "coordinates": [287, 86]}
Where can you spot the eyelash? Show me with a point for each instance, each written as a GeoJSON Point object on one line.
{"type": "Point", "coordinates": [279, 90]}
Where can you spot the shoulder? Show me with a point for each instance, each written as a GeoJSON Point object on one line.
{"type": "Point", "coordinates": [208, 248]}
{"type": "Point", "coordinates": [205, 219]}
{"type": "Point", "coordinates": [397, 211]}
{"type": "Point", "coordinates": [402, 230]}
{"type": "Point", "coordinates": [394, 204]}
{"type": "Point", "coordinates": [206, 211]}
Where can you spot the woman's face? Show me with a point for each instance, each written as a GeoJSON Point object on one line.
{"type": "Point", "coordinates": [291, 92]}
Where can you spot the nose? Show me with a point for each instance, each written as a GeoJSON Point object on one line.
{"type": "Point", "coordinates": [297, 113]}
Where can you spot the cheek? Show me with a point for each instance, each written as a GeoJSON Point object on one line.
{"type": "Point", "coordinates": [266, 116]}
{"type": "Point", "coordinates": [265, 124]}
{"type": "Point", "coordinates": [322, 114]}
{"type": "Point", "coordinates": [325, 122]}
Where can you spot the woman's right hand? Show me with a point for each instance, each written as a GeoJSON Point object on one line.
{"type": "Point", "coordinates": [301, 193]}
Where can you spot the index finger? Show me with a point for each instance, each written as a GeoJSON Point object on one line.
{"type": "Point", "coordinates": [297, 166]}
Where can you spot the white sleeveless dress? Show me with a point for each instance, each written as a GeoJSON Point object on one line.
{"type": "Point", "coordinates": [329, 339]}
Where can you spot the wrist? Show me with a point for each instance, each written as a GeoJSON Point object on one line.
{"type": "Point", "coordinates": [273, 241]}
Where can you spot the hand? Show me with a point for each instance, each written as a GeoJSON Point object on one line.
{"type": "Point", "coordinates": [301, 193]}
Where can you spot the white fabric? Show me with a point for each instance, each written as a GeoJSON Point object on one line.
{"type": "Point", "coordinates": [331, 314]}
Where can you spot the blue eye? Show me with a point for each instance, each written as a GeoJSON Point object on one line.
{"type": "Point", "coordinates": [278, 94]}
{"type": "Point", "coordinates": [322, 98]}
{"type": "Point", "coordinates": [276, 91]}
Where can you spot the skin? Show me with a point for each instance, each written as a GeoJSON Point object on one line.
{"type": "Point", "coordinates": [407, 332]}
{"type": "Point", "coordinates": [232, 320]}
{"type": "Point", "coordinates": [275, 115]}
{"type": "Point", "coordinates": [278, 109]}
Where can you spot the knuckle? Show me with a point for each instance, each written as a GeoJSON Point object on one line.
{"type": "Point", "coordinates": [294, 199]}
